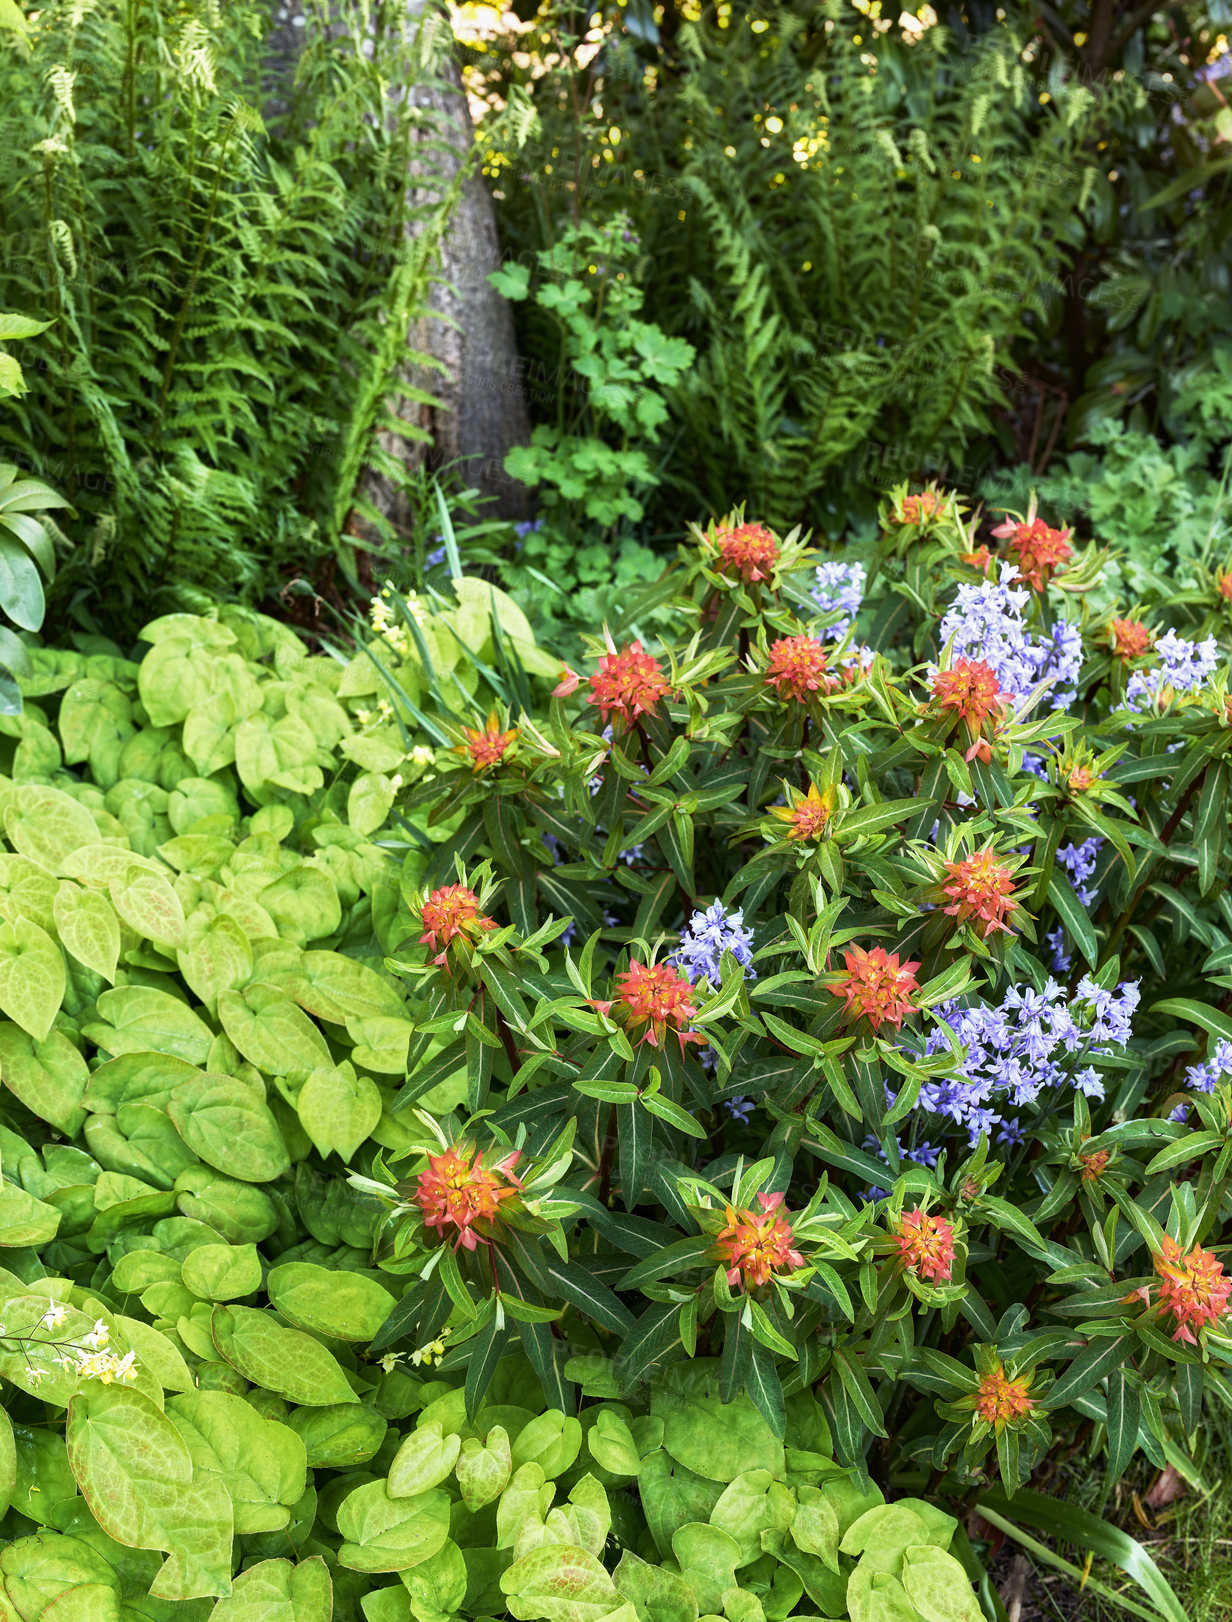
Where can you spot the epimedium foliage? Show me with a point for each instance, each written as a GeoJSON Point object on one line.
{"type": "Point", "coordinates": [855, 1071]}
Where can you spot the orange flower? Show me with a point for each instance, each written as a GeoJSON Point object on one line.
{"type": "Point", "coordinates": [750, 551]}
{"type": "Point", "coordinates": [1000, 1401]}
{"type": "Point", "coordinates": [1131, 639]}
{"type": "Point", "coordinates": [926, 1246]}
{"type": "Point", "coordinates": [971, 693]}
{"type": "Point", "coordinates": [1095, 1165]}
{"type": "Point", "coordinates": [630, 683]}
{"type": "Point", "coordinates": [981, 888]}
{"type": "Point", "coordinates": [756, 1244]}
{"type": "Point", "coordinates": [1039, 550]}
{"type": "Point", "coordinates": [807, 815]}
{"type": "Point", "coordinates": [1223, 583]}
{"type": "Point", "coordinates": [980, 559]}
{"type": "Point", "coordinates": [452, 913]}
{"type": "Point", "coordinates": [457, 1192]}
{"type": "Point", "coordinates": [486, 748]}
{"type": "Point", "coordinates": [877, 986]}
{"type": "Point", "coordinates": [797, 667]}
{"type": "Point", "coordinates": [918, 509]}
{"type": "Point", "coordinates": [657, 995]}
{"type": "Point", "coordinates": [567, 684]}
{"type": "Point", "coordinates": [1080, 779]}
{"type": "Point", "coordinates": [1193, 1288]}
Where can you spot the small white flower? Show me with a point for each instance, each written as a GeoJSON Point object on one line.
{"type": "Point", "coordinates": [55, 1315]}
{"type": "Point", "coordinates": [98, 1336]}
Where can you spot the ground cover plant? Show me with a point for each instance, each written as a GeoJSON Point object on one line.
{"type": "Point", "coordinates": [432, 1073]}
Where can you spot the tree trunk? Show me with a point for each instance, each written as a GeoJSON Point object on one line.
{"type": "Point", "coordinates": [482, 412]}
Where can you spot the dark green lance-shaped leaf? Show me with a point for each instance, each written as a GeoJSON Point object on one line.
{"type": "Point", "coordinates": [1209, 1019]}
{"type": "Point", "coordinates": [1124, 1412]}
{"type": "Point", "coordinates": [575, 1284]}
{"type": "Point", "coordinates": [1100, 1358]}
{"type": "Point", "coordinates": [1074, 916]}
{"type": "Point", "coordinates": [635, 1129]}
{"type": "Point", "coordinates": [547, 1357]}
{"type": "Point", "coordinates": [651, 1341]}
{"type": "Point", "coordinates": [856, 1383]}
{"type": "Point", "coordinates": [486, 1350]}
{"type": "Point", "coordinates": [766, 1389]}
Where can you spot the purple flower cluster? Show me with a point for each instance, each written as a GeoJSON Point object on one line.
{"type": "Point", "coordinates": [1078, 863]}
{"type": "Point", "coordinates": [1202, 1077]}
{"type": "Point", "coordinates": [1183, 666]}
{"type": "Point", "coordinates": [1027, 1045]}
{"type": "Point", "coordinates": [706, 937]}
{"type": "Point", "coordinates": [986, 622]}
{"type": "Point", "coordinates": [839, 587]}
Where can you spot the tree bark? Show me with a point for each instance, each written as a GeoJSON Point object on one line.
{"type": "Point", "coordinates": [482, 413]}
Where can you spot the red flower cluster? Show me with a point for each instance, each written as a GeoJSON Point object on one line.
{"type": "Point", "coordinates": [756, 1244]}
{"type": "Point", "coordinates": [1193, 1288]}
{"type": "Point", "coordinates": [877, 986]}
{"type": "Point", "coordinates": [658, 996]}
{"type": "Point", "coordinates": [1000, 1400]}
{"type": "Point", "coordinates": [926, 1246]}
{"type": "Point", "coordinates": [1038, 549]}
{"type": "Point", "coordinates": [806, 815]}
{"type": "Point", "coordinates": [448, 914]}
{"type": "Point", "coordinates": [797, 668]}
{"type": "Point", "coordinates": [630, 683]}
{"type": "Point", "coordinates": [971, 693]}
{"type": "Point", "coordinates": [981, 891]}
{"type": "Point", "coordinates": [457, 1192]}
{"type": "Point", "coordinates": [749, 551]}
{"type": "Point", "coordinates": [1131, 639]}
{"type": "Point", "coordinates": [486, 748]}
{"type": "Point", "coordinates": [918, 509]}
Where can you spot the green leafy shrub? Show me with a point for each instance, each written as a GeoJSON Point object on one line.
{"type": "Point", "coordinates": [855, 225]}
{"type": "Point", "coordinates": [229, 302]}
{"type": "Point", "coordinates": [318, 1082]}
{"type": "Point", "coordinates": [27, 534]}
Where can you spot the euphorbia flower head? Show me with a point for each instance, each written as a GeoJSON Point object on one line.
{"type": "Point", "coordinates": [1193, 1288]}
{"type": "Point", "coordinates": [981, 892]}
{"type": "Point", "coordinates": [757, 1244]}
{"type": "Point", "coordinates": [806, 815]}
{"type": "Point", "coordinates": [925, 1246]}
{"type": "Point", "coordinates": [459, 1191]}
{"type": "Point", "coordinates": [659, 997]}
{"type": "Point", "coordinates": [1001, 1400]}
{"type": "Point", "coordinates": [629, 683]}
{"type": "Point", "coordinates": [971, 693]}
{"type": "Point", "coordinates": [486, 748]}
{"type": "Point", "coordinates": [1131, 639]}
{"type": "Point", "coordinates": [449, 914]}
{"type": "Point", "coordinates": [919, 509]}
{"type": "Point", "coordinates": [797, 668]}
{"type": "Point", "coordinates": [877, 986]}
{"type": "Point", "coordinates": [1037, 548]}
{"type": "Point", "coordinates": [748, 550]}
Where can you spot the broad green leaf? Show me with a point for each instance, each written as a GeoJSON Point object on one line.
{"type": "Point", "coordinates": [484, 1468]}
{"type": "Point", "coordinates": [382, 1533]}
{"type": "Point", "coordinates": [283, 1360]}
{"type": "Point", "coordinates": [938, 1587]}
{"type": "Point", "coordinates": [32, 978]}
{"type": "Point", "coordinates": [47, 825]}
{"type": "Point", "coordinates": [135, 1472]}
{"type": "Point", "coordinates": [147, 903]}
{"type": "Point", "coordinates": [87, 925]}
{"type": "Point", "coordinates": [338, 1109]}
{"type": "Point", "coordinates": [330, 1301]}
{"type": "Point", "coordinates": [425, 1459]}
{"type": "Point", "coordinates": [49, 1077]}
{"type": "Point", "coordinates": [279, 1591]}
{"type": "Point", "coordinates": [271, 1032]}
{"type": "Point", "coordinates": [25, 1220]}
{"type": "Point", "coordinates": [142, 1020]}
{"type": "Point", "coordinates": [224, 1122]}
{"type": "Point", "coordinates": [560, 1584]}
{"type": "Point", "coordinates": [222, 1272]}
{"type": "Point", "coordinates": [338, 1437]}
{"type": "Point", "coordinates": [260, 1462]}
